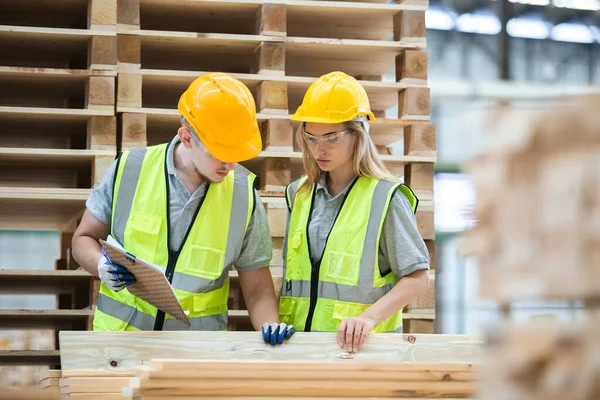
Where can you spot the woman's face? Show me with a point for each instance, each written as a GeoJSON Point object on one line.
{"type": "Point", "coordinates": [331, 145]}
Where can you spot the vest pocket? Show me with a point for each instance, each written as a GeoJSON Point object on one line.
{"type": "Point", "coordinates": [287, 308]}
{"type": "Point", "coordinates": [146, 232]}
{"type": "Point", "coordinates": [206, 262]}
{"type": "Point", "coordinates": [294, 256]}
{"type": "Point", "coordinates": [341, 268]}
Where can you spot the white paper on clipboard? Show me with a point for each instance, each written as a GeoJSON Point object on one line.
{"type": "Point", "coordinates": [151, 283]}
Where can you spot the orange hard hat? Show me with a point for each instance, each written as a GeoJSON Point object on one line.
{"type": "Point", "coordinates": [222, 112]}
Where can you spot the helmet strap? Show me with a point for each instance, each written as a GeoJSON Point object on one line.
{"type": "Point", "coordinates": [364, 120]}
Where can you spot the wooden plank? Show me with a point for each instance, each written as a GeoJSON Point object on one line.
{"type": "Point", "coordinates": [275, 173]}
{"type": "Point", "coordinates": [272, 97]}
{"type": "Point", "coordinates": [419, 176]}
{"type": "Point", "coordinates": [129, 52]}
{"type": "Point", "coordinates": [77, 157]}
{"type": "Point", "coordinates": [129, 350]}
{"type": "Point", "coordinates": [409, 25]}
{"type": "Point", "coordinates": [129, 90]}
{"type": "Point", "coordinates": [58, 113]}
{"type": "Point", "coordinates": [102, 52]}
{"type": "Point", "coordinates": [56, 75]}
{"type": "Point", "coordinates": [29, 357]}
{"type": "Point", "coordinates": [92, 385]}
{"type": "Point", "coordinates": [102, 134]}
{"type": "Point", "coordinates": [269, 59]}
{"type": "Point", "coordinates": [51, 47]}
{"type": "Point", "coordinates": [43, 281]}
{"type": "Point", "coordinates": [28, 393]}
{"type": "Point", "coordinates": [102, 14]}
{"type": "Point", "coordinates": [133, 128]}
{"type": "Point", "coordinates": [128, 14]}
{"type": "Point", "coordinates": [411, 67]}
{"type": "Point", "coordinates": [100, 93]}
{"type": "Point", "coordinates": [277, 135]}
{"type": "Point", "coordinates": [271, 19]}
{"type": "Point", "coordinates": [44, 319]}
{"type": "Point", "coordinates": [420, 140]}
{"type": "Point", "coordinates": [42, 215]}
{"type": "Point", "coordinates": [414, 103]}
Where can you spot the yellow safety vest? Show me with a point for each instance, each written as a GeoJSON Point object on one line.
{"type": "Point", "coordinates": [197, 271]}
{"type": "Point", "coordinates": [346, 280]}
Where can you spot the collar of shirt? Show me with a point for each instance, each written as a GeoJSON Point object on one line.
{"type": "Point", "coordinates": [322, 186]}
{"type": "Point", "coordinates": [171, 170]}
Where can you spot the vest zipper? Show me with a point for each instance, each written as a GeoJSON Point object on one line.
{"type": "Point", "coordinates": [173, 255]}
{"type": "Point", "coordinates": [316, 266]}
{"type": "Point", "coordinates": [314, 287]}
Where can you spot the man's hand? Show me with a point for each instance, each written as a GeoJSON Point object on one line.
{"type": "Point", "coordinates": [115, 276]}
{"type": "Point", "coordinates": [276, 333]}
{"type": "Point", "coordinates": [353, 331]}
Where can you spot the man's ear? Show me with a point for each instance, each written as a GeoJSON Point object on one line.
{"type": "Point", "coordinates": [185, 136]}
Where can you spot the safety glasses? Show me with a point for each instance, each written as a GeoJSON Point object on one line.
{"type": "Point", "coordinates": [328, 140]}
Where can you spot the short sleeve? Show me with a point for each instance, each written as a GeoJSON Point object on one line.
{"type": "Point", "coordinates": [402, 250]}
{"type": "Point", "coordinates": [257, 248]}
{"type": "Point", "coordinates": [99, 204]}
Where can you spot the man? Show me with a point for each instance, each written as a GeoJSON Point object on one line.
{"type": "Point", "coordinates": [188, 207]}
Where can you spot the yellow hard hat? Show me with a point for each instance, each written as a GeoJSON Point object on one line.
{"type": "Point", "coordinates": [222, 111]}
{"type": "Point", "coordinates": [334, 98]}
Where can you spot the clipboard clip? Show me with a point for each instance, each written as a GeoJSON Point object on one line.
{"type": "Point", "coordinates": [130, 257]}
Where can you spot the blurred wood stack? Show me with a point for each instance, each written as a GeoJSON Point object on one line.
{"type": "Point", "coordinates": [538, 238]}
{"type": "Point", "coordinates": [278, 49]}
{"type": "Point", "coordinates": [234, 363]}
{"type": "Point", "coordinates": [57, 136]}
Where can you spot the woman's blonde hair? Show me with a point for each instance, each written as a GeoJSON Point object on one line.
{"type": "Point", "coordinates": [366, 161]}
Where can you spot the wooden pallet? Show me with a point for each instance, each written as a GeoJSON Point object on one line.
{"type": "Point", "coordinates": [57, 88]}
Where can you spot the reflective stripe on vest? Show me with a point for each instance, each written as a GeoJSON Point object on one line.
{"type": "Point", "coordinates": [349, 279]}
{"type": "Point", "coordinates": [140, 222]}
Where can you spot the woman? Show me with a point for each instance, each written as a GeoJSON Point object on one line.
{"type": "Point", "coordinates": [353, 257]}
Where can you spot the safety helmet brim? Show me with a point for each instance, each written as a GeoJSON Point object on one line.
{"type": "Point", "coordinates": [242, 152]}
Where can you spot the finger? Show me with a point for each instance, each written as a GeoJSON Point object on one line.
{"type": "Point", "coordinates": [357, 335]}
{"type": "Point", "coordinates": [363, 336]}
{"type": "Point", "coordinates": [342, 332]}
{"type": "Point", "coordinates": [266, 330]}
{"type": "Point", "coordinates": [119, 268]}
{"type": "Point", "coordinates": [274, 334]}
{"type": "Point", "coordinates": [282, 333]}
{"type": "Point", "coordinates": [350, 334]}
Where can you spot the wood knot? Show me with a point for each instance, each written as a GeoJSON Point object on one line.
{"type": "Point", "coordinates": [447, 377]}
{"type": "Point", "coordinates": [412, 339]}
{"type": "Point", "coordinates": [114, 363]}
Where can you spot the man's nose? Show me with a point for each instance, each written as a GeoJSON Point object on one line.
{"type": "Point", "coordinates": [229, 166]}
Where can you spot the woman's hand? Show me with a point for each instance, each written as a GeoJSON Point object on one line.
{"type": "Point", "coordinates": [353, 331]}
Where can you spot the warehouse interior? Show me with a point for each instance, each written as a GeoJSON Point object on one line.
{"type": "Point", "coordinates": [482, 56]}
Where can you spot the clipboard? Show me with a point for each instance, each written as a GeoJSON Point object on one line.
{"type": "Point", "coordinates": [151, 283]}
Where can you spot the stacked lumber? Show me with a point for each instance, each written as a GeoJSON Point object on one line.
{"type": "Point", "coordinates": [57, 136]}
{"type": "Point", "coordinates": [278, 50]}
{"type": "Point", "coordinates": [281, 379]}
{"type": "Point", "coordinates": [415, 366]}
{"type": "Point", "coordinates": [537, 239]}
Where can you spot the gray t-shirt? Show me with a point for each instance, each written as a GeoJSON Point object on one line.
{"type": "Point", "coordinates": [254, 253]}
{"type": "Point", "coordinates": [401, 247]}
